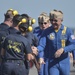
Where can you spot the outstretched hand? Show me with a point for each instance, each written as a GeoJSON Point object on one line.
{"type": "Point", "coordinates": [58, 52]}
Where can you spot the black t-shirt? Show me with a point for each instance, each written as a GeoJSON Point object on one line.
{"type": "Point", "coordinates": [3, 33]}
{"type": "Point", "coordinates": [3, 26]}
{"type": "Point", "coordinates": [33, 40]}
{"type": "Point", "coordinates": [15, 46]}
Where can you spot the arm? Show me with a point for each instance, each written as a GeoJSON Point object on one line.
{"type": "Point", "coordinates": [70, 44]}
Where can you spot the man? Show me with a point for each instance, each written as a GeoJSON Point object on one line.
{"type": "Point", "coordinates": [8, 19]}
{"type": "Point", "coordinates": [4, 26]}
{"type": "Point", "coordinates": [14, 48]}
{"type": "Point", "coordinates": [33, 41]}
{"type": "Point", "coordinates": [56, 42]}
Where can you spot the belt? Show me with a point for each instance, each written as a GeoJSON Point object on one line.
{"type": "Point", "coordinates": [14, 61]}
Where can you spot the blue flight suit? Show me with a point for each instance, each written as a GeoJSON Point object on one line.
{"type": "Point", "coordinates": [73, 52]}
{"type": "Point", "coordinates": [38, 32]}
{"type": "Point", "coordinates": [15, 45]}
{"type": "Point", "coordinates": [50, 42]}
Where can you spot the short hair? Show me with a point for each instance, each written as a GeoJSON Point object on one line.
{"type": "Point", "coordinates": [17, 19]}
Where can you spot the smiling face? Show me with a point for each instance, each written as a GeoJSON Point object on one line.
{"type": "Point", "coordinates": [56, 23]}
{"type": "Point", "coordinates": [56, 18]}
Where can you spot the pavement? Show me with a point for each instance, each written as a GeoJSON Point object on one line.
{"type": "Point", "coordinates": [33, 71]}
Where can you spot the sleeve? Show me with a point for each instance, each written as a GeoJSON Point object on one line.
{"type": "Point", "coordinates": [41, 54]}
{"type": "Point", "coordinates": [27, 47]}
{"type": "Point", "coordinates": [2, 38]}
{"type": "Point", "coordinates": [35, 41]}
{"type": "Point", "coordinates": [73, 52]}
{"type": "Point", "coordinates": [42, 44]}
{"type": "Point", "coordinates": [5, 42]}
{"type": "Point", "coordinates": [71, 41]}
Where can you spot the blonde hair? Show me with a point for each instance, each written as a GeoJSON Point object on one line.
{"type": "Point", "coordinates": [43, 17]}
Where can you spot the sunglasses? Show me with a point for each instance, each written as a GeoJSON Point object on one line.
{"type": "Point", "coordinates": [42, 23]}
{"type": "Point", "coordinates": [53, 20]}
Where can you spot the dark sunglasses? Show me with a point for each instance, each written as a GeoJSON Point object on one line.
{"type": "Point", "coordinates": [53, 20]}
{"type": "Point", "coordinates": [42, 23]}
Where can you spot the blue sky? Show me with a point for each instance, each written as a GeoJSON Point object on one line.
{"type": "Point", "coordinates": [35, 7]}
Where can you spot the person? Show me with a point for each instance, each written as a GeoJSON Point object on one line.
{"type": "Point", "coordinates": [8, 16]}
{"type": "Point", "coordinates": [56, 42]}
{"type": "Point", "coordinates": [6, 24]}
{"type": "Point", "coordinates": [33, 41]}
{"type": "Point", "coordinates": [14, 47]}
{"type": "Point", "coordinates": [8, 19]}
{"type": "Point", "coordinates": [44, 23]}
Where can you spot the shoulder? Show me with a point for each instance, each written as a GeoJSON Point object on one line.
{"type": "Point", "coordinates": [36, 29]}
{"type": "Point", "coordinates": [48, 30]}
{"type": "Point", "coordinates": [69, 31]}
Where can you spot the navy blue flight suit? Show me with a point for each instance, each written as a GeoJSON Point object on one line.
{"type": "Point", "coordinates": [15, 45]}
{"type": "Point", "coordinates": [50, 42]}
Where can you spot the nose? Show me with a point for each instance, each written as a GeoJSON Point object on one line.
{"type": "Point", "coordinates": [53, 21]}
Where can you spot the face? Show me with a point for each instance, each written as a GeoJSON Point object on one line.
{"type": "Point", "coordinates": [56, 23]}
{"type": "Point", "coordinates": [44, 25]}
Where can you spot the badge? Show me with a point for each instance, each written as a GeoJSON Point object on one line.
{"type": "Point", "coordinates": [52, 36]}
{"type": "Point", "coordinates": [72, 36]}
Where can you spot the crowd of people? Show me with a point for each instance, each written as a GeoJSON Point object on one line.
{"type": "Point", "coordinates": [47, 46]}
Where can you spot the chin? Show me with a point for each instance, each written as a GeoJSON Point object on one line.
{"type": "Point", "coordinates": [55, 27]}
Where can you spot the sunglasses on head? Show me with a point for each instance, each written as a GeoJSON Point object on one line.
{"type": "Point", "coordinates": [53, 20]}
{"type": "Point", "coordinates": [42, 22]}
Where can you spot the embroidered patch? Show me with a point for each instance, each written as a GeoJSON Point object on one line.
{"type": "Point", "coordinates": [52, 36]}
{"type": "Point", "coordinates": [72, 36]}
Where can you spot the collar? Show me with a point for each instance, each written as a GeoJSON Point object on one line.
{"type": "Point", "coordinates": [13, 31]}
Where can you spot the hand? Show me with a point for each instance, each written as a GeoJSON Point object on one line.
{"type": "Point", "coordinates": [73, 63]}
{"type": "Point", "coordinates": [71, 55]}
{"type": "Point", "coordinates": [58, 52]}
{"type": "Point", "coordinates": [41, 61]}
{"type": "Point", "coordinates": [35, 50]}
{"type": "Point", "coordinates": [30, 56]}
